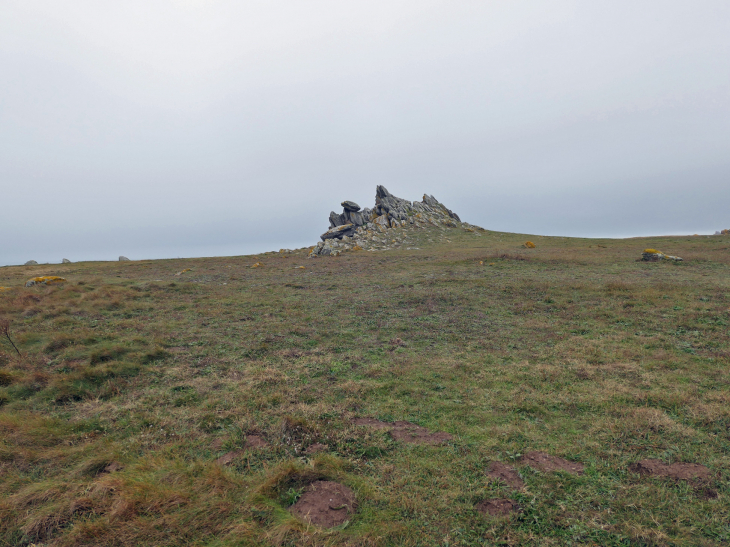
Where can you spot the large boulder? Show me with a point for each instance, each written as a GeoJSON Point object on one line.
{"type": "Point", "coordinates": [123, 259]}
{"type": "Point", "coordinates": [337, 220]}
{"type": "Point", "coordinates": [66, 261]}
{"type": "Point", "coordinates": [350, 206]}
{"type": "Point", "coordinates": [31, 263]}
{"type": "Point", "coordinates": [339, 232]}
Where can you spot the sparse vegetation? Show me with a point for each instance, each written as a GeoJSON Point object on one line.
{"type": "Point", "coordinates": [131, 387]}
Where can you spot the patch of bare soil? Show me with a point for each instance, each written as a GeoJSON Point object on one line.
{"type": "Point", "coordinates": [113, 467]}
{"type": "Point", "coordinates": [316, 448]}
{"type": "Point", "coordinates": [505, 473]}
{"type": "Point", "coordinates": [406, 431]}
{"type": "Point", "coordinates": [547, 463]}
{"type": "Point", "coordinates": [252, 442]}
{"type": "Point", "coordinates": [679, 471]}
{"type": "Point", "coordinates": [326, 504]}
{"type": "Point", "coordinates": [497, 507]}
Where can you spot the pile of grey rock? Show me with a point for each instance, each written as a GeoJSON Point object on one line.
{"type": "Point", "coordinates": [385, 226]}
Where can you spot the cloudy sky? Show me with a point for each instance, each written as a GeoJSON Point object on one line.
{"type": "Point", "coordinates": [166, 128]}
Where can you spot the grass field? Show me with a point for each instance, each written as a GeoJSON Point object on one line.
{"type": "Point", "coordinates": [134, 382]}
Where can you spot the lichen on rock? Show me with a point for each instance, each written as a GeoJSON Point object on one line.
{"type": "Point", "coordinates": [44, 280]}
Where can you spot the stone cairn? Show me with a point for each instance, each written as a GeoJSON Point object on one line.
{"type": "Point", "coordinates": [386, 225]}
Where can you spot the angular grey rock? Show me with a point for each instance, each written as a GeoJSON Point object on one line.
{"type": "Point", "coordinates": [336, 220]}
{"type": "Point", "coordinates": [350, 206]}
{"type": "Point", "coordinates": [66, 261]}
{"type": "Point", "coordinates": [31, 263]}
{"type": "Point", "coordinates": [123, 259]}
{"type": "Point", "coordinates": [339, 232]}
{"type": "Point", "coordinates": [353, 217]}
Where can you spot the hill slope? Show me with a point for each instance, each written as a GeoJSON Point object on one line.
{"type": "Point", "coordinates": [151, 408]}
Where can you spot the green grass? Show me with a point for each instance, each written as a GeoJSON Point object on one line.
{"type": "Point", "coordinates": [573, 348]}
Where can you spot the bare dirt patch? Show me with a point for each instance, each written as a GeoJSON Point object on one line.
{"type": "Point", "coordinates": [548, 464]}
{"type": "Point", "coordinates": [679, 471]}
{"type": "Point", "coordinates": [406, 431]}
{"type": "Point", "coordinates": [252, 442]}
{"type": "Point", "coordinates": [326, 504]}
{"type": "Point", "coordinates": [505, 473]}
{"type": "Point", "coordinates": [316, 448]}
{"type": "Point", "coordinates": [497, 507]}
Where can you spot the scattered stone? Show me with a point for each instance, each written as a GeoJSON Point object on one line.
{"type": "Point", "coordinates": [45, 280]}
{"type": "Point", "coordinates": [506, 474]}
{"type": "Point", "coordinates": [652, 255]}
{"type": "Point", "coordinates": [65, 261]}
{"type": "Point", "coordinates": [316, 448]}
{"type": "Point", "coordinates": [406, 432]}
{"type": "Point", "coordinates": [548, 464]}
{"type": "Point", "coordinates": [677, 471]}
{"type": "Point", "coordinates": [298, 267]}
{"type": "Point", "coordinates": [497, 507]}
{"type": "Point", "coordinates": [183, 271]}
{"type": "Point", "coordinates": [31, 263]}
{"type": "Point", "coordinates": [123, 259]}
{"type": "Point", "coordinates": [326, 504]}
{"type": "Point", "coordinates": [257, 265]}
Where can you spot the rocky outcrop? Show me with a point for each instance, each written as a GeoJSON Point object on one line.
{"type": "Point", "coordinates": [386, 224]}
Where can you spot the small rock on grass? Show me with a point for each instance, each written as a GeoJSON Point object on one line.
{"type": "Point", "coordinates": [326, 504]}
{"type": "Point", "coordinates": [45, 280]}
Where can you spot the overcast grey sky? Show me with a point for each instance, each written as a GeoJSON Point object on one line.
{"type": "Point", "coordinates": [160, 128]}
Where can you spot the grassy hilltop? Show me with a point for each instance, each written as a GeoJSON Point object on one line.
{"type": "Point", "coordinates": [150, 408]}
